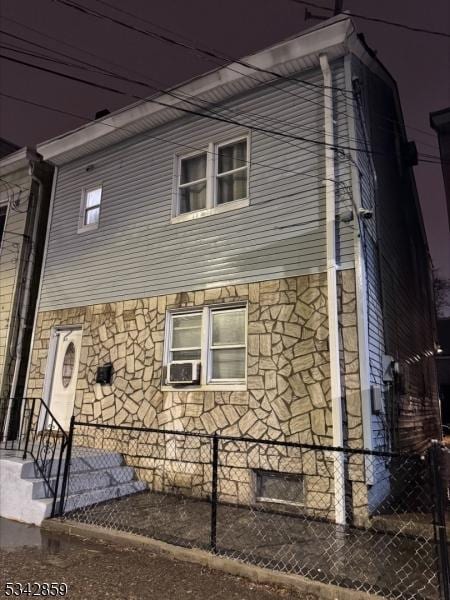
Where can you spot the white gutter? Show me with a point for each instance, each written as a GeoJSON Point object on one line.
{"type": "Point", "coordinates": [333, 324]}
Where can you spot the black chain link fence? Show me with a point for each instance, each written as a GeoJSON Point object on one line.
{"type": "Point", "coordinates": [371, 521]}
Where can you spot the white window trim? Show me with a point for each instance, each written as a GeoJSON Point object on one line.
{"type": "Point", "coordinates": [206, 383]}
{"type": "Point", "coordinates": [212, 175]}
{"type": "Point", "coordinates": [82, 227]}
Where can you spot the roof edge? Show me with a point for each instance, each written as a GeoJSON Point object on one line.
{"type": "Point", "coordinates": [217, 85]}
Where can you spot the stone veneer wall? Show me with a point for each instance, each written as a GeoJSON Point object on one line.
{"type": "Point", "coordinates": [288, 395]}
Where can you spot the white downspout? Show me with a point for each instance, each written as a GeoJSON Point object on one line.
{"type": "Point", "coordinates": [333, 324]}
{"type": "Point", "coordinates": [26, 297]}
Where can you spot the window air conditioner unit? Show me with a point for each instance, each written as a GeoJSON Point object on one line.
{"type": "Point", "coordinates": [183, 372]}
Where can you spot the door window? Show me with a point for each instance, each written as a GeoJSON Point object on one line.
{"type": "Point", "coordinates": [68, 364]}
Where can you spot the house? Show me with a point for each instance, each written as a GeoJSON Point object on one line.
{"type": "Point", "coordinates": [245, 255]}
{"type": "Point", "coordinates": [25, 184]}
{"type": "Point", "coordinates": [440, 122]}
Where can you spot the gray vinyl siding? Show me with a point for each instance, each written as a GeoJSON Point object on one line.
{"type": "Point", "coordinates": [402, 289]}
{"type": "Point", "coordinates": [369, 237]}
{"type": "Point", "coordinates": [136, 251]}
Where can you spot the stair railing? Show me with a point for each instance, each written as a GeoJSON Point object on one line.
{"type": "Point", "coordinates": [33, 430]}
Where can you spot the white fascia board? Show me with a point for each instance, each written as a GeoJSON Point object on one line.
{"type": "Point", "coordinates": [225, 82]}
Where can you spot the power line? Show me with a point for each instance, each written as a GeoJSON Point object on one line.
{"type": "Point", "coordinates": [177, 108]}
{"type": "Point", "coordinates": [210, 52]}
{"type": "Point", "coordinates": [154, 137]}
{"type": "Point", "coordinates": [101, 70]}
{"type": "Point", "coordinates": [155, 88]}
{"type": "Point", "coordinates": [189, 111]}
{"type": "Point", "coordinates": [214, 55]}
{"type": "Point", "coordinates": [274, 84]}
{"type": "Point", "coordinates": [375, 19]}
{"type": "Point", "coordinates": [264, 117]}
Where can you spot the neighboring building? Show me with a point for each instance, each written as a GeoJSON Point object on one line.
{"type": "Point", "coordinates": [6, 147]}
{"type": "Point", "coordinates": [25, 183]}
{"type": "Point", "coordinates": [440, 122]}
{"type": "Point", "coordinates": [443, 369]}
{"type": "Point", "coordinates": [176, 237]}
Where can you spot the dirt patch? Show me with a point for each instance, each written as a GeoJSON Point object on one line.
{"type": "Point", "coordinates": [99, 570]}
{"type": "Point", "coordinates": [379, 560]}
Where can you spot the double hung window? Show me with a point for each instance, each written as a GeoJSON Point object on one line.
{"type": "Point", "coordinates": [214, 335]}
{"type": "Point", "coordinates": [213, 178]}
{"type": "Point", "coordinates": [91, 199]}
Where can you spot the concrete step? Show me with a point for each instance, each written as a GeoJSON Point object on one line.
{"type": "Point", "coordinates": [102, 495]}
{"type": "Point", "coordinates": [85, 480]}
{"type": "Point", "coordinates": [95, 476]}
{"type": "Point", "coordinates": [81, 461]}
{"type": "Point", "coordinates": [78, 501]}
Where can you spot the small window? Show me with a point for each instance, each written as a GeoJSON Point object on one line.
{"type": "Point", "coordinates": [90, 208]}
{"type": "Point", "coordinates": [282, 488]}
{"type": "Point", "coordinates": [211, 179]}
{"type": "Point", "coordinates": [214, 335]}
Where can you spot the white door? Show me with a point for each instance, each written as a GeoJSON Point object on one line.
{"type": "Point", "coordinates": [64, 374]}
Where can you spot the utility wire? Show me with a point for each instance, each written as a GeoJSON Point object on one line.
{"type": "Point", "coordinates": [213, 111]}
{"type": "Point", "coordinates": [228, 57]}
{"type": "Point", "coordinates": [206, 106]}
{"type": "Point", "coordinates": [375, 19]}
{"type": "Point", "coordinates": [214, 55]}
{"type": "Point", "coordinates": [274, 84]}
{"type": "Point", "coordinates": [211, 55]}
{"type": "Point", "coordinates": [178, 95]}
{"type": "Point", "coordinates": [173, 107]}
{"type": "Point", "coordinates": [158, 138]}
{"type": "Point", "coordinates": [186, 110]}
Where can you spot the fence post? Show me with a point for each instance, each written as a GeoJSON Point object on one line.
{"type": "Point", "coordinates": [439, 517]}
{"type": "Point", "coordinates": [30, 421]}
{"type": "Point", "coordinates": [66, 467]}
{"type": "Point", "coordinates": [215, 460]}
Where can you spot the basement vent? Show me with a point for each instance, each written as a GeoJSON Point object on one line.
{"type": "Point", "coordinates": [281, 488]}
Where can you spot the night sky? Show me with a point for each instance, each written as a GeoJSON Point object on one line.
{"type": "Point", "coordinates": [419, 62]}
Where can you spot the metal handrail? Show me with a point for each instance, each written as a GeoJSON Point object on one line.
{"type": "Point", "coordinates": [40, 435]}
